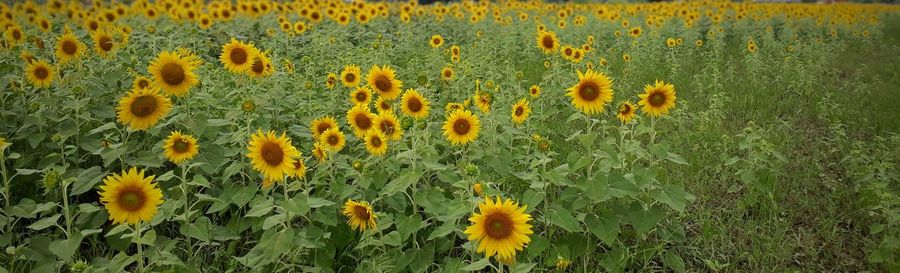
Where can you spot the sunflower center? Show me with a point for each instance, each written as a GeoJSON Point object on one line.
{"type": "Point", "coordinates": [387, 127]}
{"type": "Point", "coordinates": [520, 110]}
{"type": "Point", "coordinates": [180, 146]}
{"type": "Point", "coordinates": [436, 41]}
{"type": "Point", "coordinates": [143, 106]}
{"type": "Point", "coordinates": [143, 83]}
{"type": "Point", "coordinates": [69, 47]}
{"type": "Point", "coordinates": [350, 77]}
{"type": "Point", "coordinates": [414, 105]}
{"type": "Point", "coordinates": [448, 73]}
{"type": "Point", "coordinates": [41, 72]}
{"type": "Point", "coordinates": [257, 66]}
{"type": "Point", "coordinates": [17, 35]}
{"type": "Point", "coordinates": [272, 154]}
{"type": "Point", "coordinates": [589, 91]}
{"type": "Point", "coordinates": [173, 74]}
{"type": "Point", "coordinates": [323, 127]}
{"type": "Point", "coordinates": [498, 226]}
{"type": "Point", "coordinates": [363, 121]}
{"type": "Point", "coordinates": [382, 83]}
{"type": "Point", "coordinates": [461, 126]}
{"type": "Point", "coordinates": [131, 200]}
{"type": "Point", "coordinates": [657, 99]}
{"type": "Point", "coordinates": [333, 140]}
{"type": "Point", "coordinates": [361, 96]}
{"type": "Point", "coordinates": [568, 52]}
{"type": "Point", "coordinates": [625, 109]}
{"type": "Point", "coordinates": [238, 56]}
{"type": "Point", "coordinates": [361, 212]}
{"type": "Point", "coordinates": [376, 141]}
{"type": "Point", "coordinates": [385, 105]}
{"type": "Point", "coordinates": [105, 43]}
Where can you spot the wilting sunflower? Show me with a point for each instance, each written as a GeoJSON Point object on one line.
{"type": "Point", "coordinates": [361, 119]}
{"type": "Point", "coordinates": [388, 124]}
{"type": "Point", "coordinates": [362, 95]}
{"type": "Point", "coordinates": [39, 73]}
{"type": "Point", "coordinates": [436, 41]}
{"type": "Point", "coordinates": [103, 42]}
{"type": "Point", "coordinates": [376, 142]}
{"type": "Point", "coordinates": [173, 71]}
{"type": "Point", "coordinates": [520, 111]}
{"type": "Point", "coordinates": [179, 147]}
{"type": "Point", "coordinates": [332, 139]}
{"type": "Point", "coordinates": [382, 79]}
{"type": "Point", "coordinates": [330, 80]}
{"type": "Point", "coordinates": [68, 48]}
{"type": "Point", "coordinates": [130, 197]}
{"type": "Point", "coordinates": [140, 109]}
{"type": "Point", "coordinates": [320, 152]}
{"type": "Point", "coordinates": [320, 125]}
{"type": "Point", "coordinates": [237, 56]}
{"type": "Point", "coordinates": [500, 228]}
{"type": "Point", "coordinates": [658, 98]}
{"type": "Point", "coordinates": [350, 76]}
{"type": "Point", "coordinates": [383, 105]}
{"type": "Point", "coordinates": [359, 215]}
{"type": "Point", "coordinates": [625, 112]}
{"type": "Point", "coordinates": [140, 82]}
{"type": "Point", "coordinates": [447, 73]}
{"type": "Point", "coordinates": [414, 104]}
{"type": "Point", "coordinates": [461, 127]}
{"type": "Point", "coordinates": [534, 91]}
{"type": "Point", "coordinates": [546, 41]}
{"type": "Point", "coordinates": [271, 155]}
{"type": "Point", "coordinates": [591, 93]}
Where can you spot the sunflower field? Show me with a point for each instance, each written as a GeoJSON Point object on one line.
{"type": "Point", "coordinates": [472, 136]}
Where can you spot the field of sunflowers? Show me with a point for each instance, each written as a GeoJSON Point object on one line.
{"type": "Point", "coordinates": [473, 136]}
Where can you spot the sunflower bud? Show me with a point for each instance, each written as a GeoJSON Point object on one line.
{"type": "Point", "coordinates": [56, 137]}
{"type": "Point", "coordinates": [562, 263]}
{"type": "Point", "coordinates": [471, 169]}
{"type": "Point", "coordinates": [357, 165]}
{"type": "Point", "coordinates": [547, 64]}
{"type": "Point", "coordinates": [79, 266]}
{"type": "Point", "coordinates": [478, 188]}
{"type": "Point", "coordinates": [11, 250]}
{"type": "Point", "coordinates": [520, 75]}
{"type": "Point", "coordinates": [248, 106]}
{"type": "Point", "coordinates": [308, 85]}
{"type": "Point", "coordinates": [51, 180]}
{"type": "Point", "coordinates": [544, 145]}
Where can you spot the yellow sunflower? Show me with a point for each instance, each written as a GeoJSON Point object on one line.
{"type": "Point", "coordinates": [299, 170]}
{"type": "Point", "coordinates": [238, 56]}
{"type": "Point", "coordinates": [546, 41]}
{"type": "Point", "coordinates": [461, 127]}
{"type": "Point", "coordinates": [382, 79]}
{"type": "Point", "coordinates": [436, 41]}
{"type": "Point", "coordinates": [388, 124]}
{"type": "Point", "coordinates": [140, 82]}
{"type": "Point", "coordinates": [362, 95]}
{"type": "Point", "coordinates": [535, 91]}
{"type": "Point", "coordinates": [447, 73]}
{"type": "Point", "coordinates": [103, 42]}
{"type": "Point", "coordinates": [350, 76]}
{"type": "Point", "coordinates": [261, 66]}
{"type": "Point", "coordinates": [383, 105]}
{"type": "Point", "coordinates": [658, 98]}
{"type": "Point", "coordinates": [271, 155]}
{"type": "Point", "coordinates": [376, 142]}
{"type": "Point", "coordinates": [68, 48]}
{"type": "Point", "coordinates": [39, 73]}
{"type": "Point", "coordinates": [500, 228]}
{"type": "Point", "coordinates": [173, 71]}
{"type": "Point", "coordinates": [483, 102]}
{"type": "Point", "coordinates": [140, 109]}
{"type": "Point", "coordinates": [332, 139]}
{"type": "Point", "coordinates": [360, 215]}
{"type": "Point", "coordinates": [321, 125]}
{"type": "Point", "coordinates": [414, 104]}
{"type": "Point", "coordinates": [130, 197]}
{"type": "Point", "coordinates": [14, 35]}
{"type": "Point", "coordinates": [455, 51]}
{"type": "Point", "coordinates": [361, 119]}
{"type": "Point", "coordinates": [591, 93]}
{"type": "Point", "coordinates": [330, 80]}
{"type": "Point", "coordinates": [625, 112]}
{"type": "Point", "coordinates": [319, 152]}
{"type": "Point", "coordinates": [520, 111]}
{"type": "Point", "coordinates": [180, 147]}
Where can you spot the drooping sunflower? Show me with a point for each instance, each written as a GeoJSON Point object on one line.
{"type": "Point", "coordinates": [173, 71]}
{"type": "Point", "coordinates": [350, 76]}
{"type": "Point", "coordinates": [500, 228]}
{"type": "Point", "coordinates": [376, 142]}
{"type": "Point", "coordinates": [39, 73]}
{"type": "Point", "coordinates": [361, 119]}
{"type": "Point", "coordinates": [436, 41]}
{"type": "Point", "coordinates": [180, 147]}
{"type": "Point", "coordinates": [447, 73]}
{"type": "Point", "coordinates": [625, 112]}
{"type": "Point", "coordinates": [546, 41]}
{"type": "Point", "coordinates": [461, 127]}
{"type": "Point", "coordinates": [382, 79]}
{"type": "Point", "coordinates": [414, 104]}
{"type": "Point", "coordinates": [383, 105]}
{"type": "Point", "coordinates": [320, 152]}
{"type": "Point", "coordinates": [330, 80]}
{"type": "Point", "coordinates": [140, 82]}
{"type": "Point", "coordinates": [140, 109]}
{"type": "Point", "coordinates": [103, 42]}
{"type": "Point", "coordinates": [360, 216]}
{"type": "Point", "coordinates": [388, 124]}
{"type": "Point", "coordinates": [520, 111]}
{"type": "Point", "coordinates": [658, 98]}
{"type": "Point", "coordinates": [591, 93]}
{"type": "Point", "coordinates": [271, 155]}
{"type": "Point", "coordinates": [332, 139]}
{"type": "Point", "coordinates": [534, 91]}
{"type": "Point", "coordinates": [362, 95]}
{"type": "Point", "coordinates": [130, 197]}
{"type": "Point", "coordinates": [320, 125]}
{"type": "Point", "coordinates": [238, 56]}
{"type": "Point", "coordinates": [68, 48]}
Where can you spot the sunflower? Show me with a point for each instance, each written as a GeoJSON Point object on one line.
{"type": "Point", "coordinates": [173, 71]}
{"type": "Point", "coordinates": [383, 105]}
{"type": "Point", "coordinates": [483, 102]}
{"type": "Point", "coordinates": [382, 79]}
{"type": "Point", "coordinates": [330, 80]}
{"type": "Point", "coordinates": [103, 42]}
{"type": "Point", "coordinates": [414, 104]}
{"type": "Point", "coordinates": [332, 139]}
{"type": "Point", "coordinates": [461, 127]}
{"type": "Point", "coordinates": [376, 142]}
{"type": "Point", "coordinates": [626, 57]}
{"type": "Point", "coordinates": [271, 155]}
{"type": "Point", "coordinates": [359, 215]}
{"type": "Point", "coordinates": [140, 109]}
{"type": "Point", "coordinates": [39, 73]}
{"type": "Point", "coordinates": [670, 42]}
{"type": "Point", "coordinates": [635, 32]}
{"type": "Point", "coordinates": [299, 27]}
{"type": "Point", "coordinates": [238, 56]}
{"type": "Point", "coordinates": [546, 41]}
{"type": "Point", "coordinates": [455, 51]}
{"type": "Point", "coordinates": [362, 95]}
{"type": "Point", "coordinates": [130, 197]}
{"type": "Point", "coordinates": [591, 93]}
{"type": "Point", "coordinates": [751, 46]}
{"type": "Point", "coordinates": [436, 41]}
{"type": "Point", "coordinates": [140, 82]}
{"type": "Point", "coordinates": [387, 124]}
{"type": "Point", "coordinates": [68, 48]}
{"type": "Point", "coordinates": [447, 73]}
{"type": "Point", "coordinates": [625, 112]}
{"type": "Point", "coordinates": [261, 66]}
{"type": "Point", "coordinates": [500, 228]}
{"type": "Point", "coordinates": [520, 111]}
{"type": "Point", "coordinates": [14, 35]}
{"type": "Point", "coordinates": [319, 152]}
{"type": "Point", "coordinates": [567, 52]}
{"type": "Point", "coordinates": [453, 106]}
{"type": "Point", "coordinates": [657, 99]}
{"type": "Point", "coordinates": [179, 147]}
{"type": "Point", "coordinates": [350, 76]}
{"type": "Point", "coordinates": [535, 91]}
{"type": "Point", "coordinates": [321, 125]}
{"type": "Point", "coordinates": [360, 118]}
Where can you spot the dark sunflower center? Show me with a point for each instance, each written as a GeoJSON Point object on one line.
{"type": "Point", "coordinates": [41, 73]}
{"type": "Point", "coordinates": [657, 99]}
{"type": "Point", "coordinates": [350, 77]}
{"type": "Point", "coordinates": [333, 140]}
{"type": "Point", "coordinates": [436, 41]}
{"type": "Point", "coordinates": [533, 91]}
{"type": "Point", "coordinates": [520, 110]}
{"type": "Point", "coordinates": [387, 127]}
{"type": "Point", "coordinates": [589, 91]}
{"type": "Point", "coordinates": [180, 146]}
{"type": "Point", "coordinates": [363, 121]}
{"type": "Point", "coordinates": [173, 74]}
{"type": "Point", "coordinates": [361, 96]}
{"type": "Point", "coordinates": [461, 126]}
{"type": "Point", "coordinates": [143, 83]}
{"type": "Point", "coordinates": [376, 141]}
{"type": "Point", "coordinates": [498, 225]}
{"type": "Point", "coordinates": [414, 105]}
{"type": "Point", "coordinates": [385, 105]}
{"type": "Point", "coordinates": [131, 199]}
{"type": "Point", "coordinates": [257, 66]}
{"type": "Point", "coordinates": [94, 25]}
{"type": "Point", "coordinates": [577, 54]}
{"type": "Point", "coordinates": [105, 43]}
{"type": "Point", "coordinates": [382, 83]}
{"type": "Point", "coordinates": [448, 73]}
{"type": "Point", "coordinates": [144, 106]}
{"type": "Point", "coordinates": [568, 51]}
{"type": "Point", "coordinates": [272, 154]}
{"type": "Point", "coordinates": [238, 56]}
{"type": "Point", "coordinates": [69, 47]}
{"type": "Point", "coordinates": [298, 164]}
{"type": "Point", "coordinates": [17, 35]}
{"type": "Point", "coordinates": [323, 127]}
{"type": "Point", "coordinates": [625, 109]}
{"type": "Point", "coordinates": [361, 212]}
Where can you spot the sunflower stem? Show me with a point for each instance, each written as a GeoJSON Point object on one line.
{"type": "Point", "coordinates": [652, 137]}
{"type": "Point", "coordinates": [140, 252]}
{"type": "Point", "coordinates": [65, 196]}
{"type": "Point", "coordinates": [187, 222]}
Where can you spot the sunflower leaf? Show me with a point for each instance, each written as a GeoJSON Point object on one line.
{"type": "Point", "coordinates": [477, 265]}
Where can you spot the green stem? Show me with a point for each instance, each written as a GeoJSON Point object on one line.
{"type": "Point", "coordinates": [65, 193]}
{"type": "Point", "coordinates": [652, 137]}
{"type": "Point", "coordinates": [140, 252]}
{"type": "Point", "coordinates": [187, 207]}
